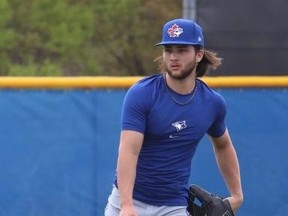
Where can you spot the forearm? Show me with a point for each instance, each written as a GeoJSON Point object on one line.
{"type": "Point", "coordinates": [228, 164]}
{"type": "Point", "coordinates": [130, 146]}
{"type": "Point", "coordinates": [126, 173]}
{"type": "Point", "coordinates": [229, 167]}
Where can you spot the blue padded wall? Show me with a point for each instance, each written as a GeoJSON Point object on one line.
{"type": "Point", "coordinates": [58, 150]}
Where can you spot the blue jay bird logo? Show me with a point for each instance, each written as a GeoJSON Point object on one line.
{"type": "Point", "coordinates": [179, 125]}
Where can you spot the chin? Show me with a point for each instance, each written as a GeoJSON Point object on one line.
{"type": "Point", "coordinates": [176, 73]}
{"type": "Point", "coordinates": [179, 75]}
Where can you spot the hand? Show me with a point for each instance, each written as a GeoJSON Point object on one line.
{"type": "Point", "coordinates": [235, 202]}
{"type": "Point", "coordinates": [128, 211]}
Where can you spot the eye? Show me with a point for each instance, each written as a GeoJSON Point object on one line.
{"type": "Point", "coordinates": [168, 50]}
{"type": "Point", "coordinates": [183, 49]}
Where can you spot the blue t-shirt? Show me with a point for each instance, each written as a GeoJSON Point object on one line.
{"type": "Point", "coordinates": [171, 135]}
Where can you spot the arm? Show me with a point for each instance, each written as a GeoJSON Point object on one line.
{"type": "Point", "coordinates": [129, 148]}
{"type": "Point", "coordinates": [227, 161]}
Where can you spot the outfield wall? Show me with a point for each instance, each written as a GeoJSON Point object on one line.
{"type": "Point", "coordinates": [59, 140]}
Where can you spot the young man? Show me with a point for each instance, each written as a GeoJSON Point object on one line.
{"type": "Point", "coordinates": [163, 119]}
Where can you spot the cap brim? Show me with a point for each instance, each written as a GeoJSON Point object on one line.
{"type": "Point", "coordinates": [177, 43]}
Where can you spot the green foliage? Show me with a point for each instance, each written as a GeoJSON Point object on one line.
{"type": "Point", "coordinates": [129, 31]}
{"type": "Point", "coordinates": [72, 38]}
{"type": "Point", "coordinates": [7, 36]}
{"type": "Point", "coordinates": [46, 69]}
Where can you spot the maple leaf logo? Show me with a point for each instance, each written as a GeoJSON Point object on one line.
{"type": "Point", "coordinates": [175, 31]}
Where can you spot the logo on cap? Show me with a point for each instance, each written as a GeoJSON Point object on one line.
{"type": "Point", "coordinates": [175, 31]}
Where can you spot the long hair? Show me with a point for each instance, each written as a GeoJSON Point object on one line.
{"type": "Point", "coordinates": [210, 61]}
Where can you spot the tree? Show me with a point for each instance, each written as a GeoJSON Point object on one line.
{"type": "Point", "coordinates": [7, 36]}
{"type": "Point", "coordinates": [83, 37]}
{"type": "Point", "coordinates": [131, 29]}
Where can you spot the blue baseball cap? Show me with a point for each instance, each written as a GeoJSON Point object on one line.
{"type": "Point", "coordinates": [182, 31]}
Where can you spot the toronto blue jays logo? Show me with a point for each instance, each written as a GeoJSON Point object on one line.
{"type": "Point", "coordinates": [179, 125]}
{"type": "Point", "coordinates": [175, 31]}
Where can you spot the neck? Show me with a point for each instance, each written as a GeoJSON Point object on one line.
{"type": "Point", "coordinates": [181, 86]}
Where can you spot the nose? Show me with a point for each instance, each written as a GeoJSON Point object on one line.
{"type": "Point", "coordinates": [174, 56]}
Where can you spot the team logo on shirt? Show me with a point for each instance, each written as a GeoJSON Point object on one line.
{"type": "Point", "coordinates": [179, 125]}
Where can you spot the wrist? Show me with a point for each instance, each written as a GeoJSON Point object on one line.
{"type": "Point", "coordinates": [126, 203]}
{"type": "Point", "coordinates": [238, 198]}
{"type": "Point", "coordinates": [235, 201]}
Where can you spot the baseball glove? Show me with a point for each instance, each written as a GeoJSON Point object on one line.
{"type": "Point", "coordinates": [203, 203]}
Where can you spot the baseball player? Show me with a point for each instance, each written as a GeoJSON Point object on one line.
{"type": "Point", "coordinates": [164, 117]}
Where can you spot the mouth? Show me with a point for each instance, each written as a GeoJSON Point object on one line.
{"type": "Point", "coordinates": [175, 67]}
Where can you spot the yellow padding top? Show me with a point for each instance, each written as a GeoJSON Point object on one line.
{"type": "Point", "coordinates": [125, 82]}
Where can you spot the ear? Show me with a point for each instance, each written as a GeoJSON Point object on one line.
{"type": "Point", "coordinates": [199, 55]}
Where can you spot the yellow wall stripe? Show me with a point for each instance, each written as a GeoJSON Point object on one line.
{"type": "Point", "coordinates": [125, 82]}
{"type": "Point", "coordinates": [248, 81]}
